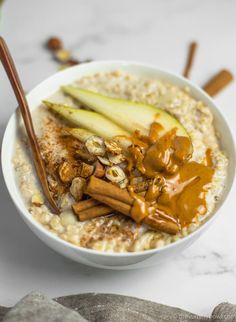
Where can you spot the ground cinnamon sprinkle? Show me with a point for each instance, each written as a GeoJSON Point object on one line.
{"type": "Point", "coordinates": [56, 148]}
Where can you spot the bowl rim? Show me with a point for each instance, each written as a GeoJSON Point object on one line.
{"type": "Point", "coordinates": [27, 216]}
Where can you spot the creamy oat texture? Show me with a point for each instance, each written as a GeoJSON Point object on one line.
{"type": "Point", "coordinates": [117, 233]}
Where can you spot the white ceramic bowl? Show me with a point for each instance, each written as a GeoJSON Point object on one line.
{"type": "Point", "coordinates": [92, 257]}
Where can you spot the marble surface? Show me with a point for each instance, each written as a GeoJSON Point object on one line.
{"type": "Point", "coordinates": [151, 31]}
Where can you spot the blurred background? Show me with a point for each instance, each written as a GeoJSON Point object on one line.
{"type": "Point", "coordinates": [152, 31]}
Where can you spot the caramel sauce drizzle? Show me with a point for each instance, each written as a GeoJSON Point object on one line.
{"type": "Point", "coordinates": [178, 186]}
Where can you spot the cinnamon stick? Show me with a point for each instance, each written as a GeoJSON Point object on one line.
{"type": "Point", "coordinates": [121, 201]}
{"type": "Point", "coordinates": [190, 59]}
{"type": "Point", "coordinates": [84, 205]}
{"type": "Point", "coordinates": [97, 186]}
{"type": "Point", "coordinates": [115, 204]}
{"type": "Point", "coordinates": [94, 212]}
{"type": "Point", "coordinates": [91, 208]}
{"type": "Point", "coordinates": [218, 82]}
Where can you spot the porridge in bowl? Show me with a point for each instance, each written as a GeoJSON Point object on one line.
{"type": "Point", "coordinates": [133, 163]}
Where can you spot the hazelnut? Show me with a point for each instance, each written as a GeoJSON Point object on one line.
{"type": "Point", "coordinates": [77, 188]}
{"type": "Point", "coordinates": [124, 183]}
{"type": "Point", "coordinates": [86, 170]}
{"type": "Point", "coordinates": [54, 43]}
{"type": "Point", "coordinates": [115, 174]}
{"type": "Point", "coordinates": [99, 170]}
{"type": "Point", "coordinates": [112, 147]}
{"type": "Point", "coordinates": [116, 159]}
{"type": "Point", "coordinates": [95, 145]}
{"type": "Point", "coordinates": [104, 160]}
{"type": "Point", "coordinates": [66, 172]}
{"type": "Point", "coordinates": [85, 156]}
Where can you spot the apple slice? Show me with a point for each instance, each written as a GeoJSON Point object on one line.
{"type": "Point", "coordinates": [89, 120]}
{"type": "Point", "coordinates": [130, 115]}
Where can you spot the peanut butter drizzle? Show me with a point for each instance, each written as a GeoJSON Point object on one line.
{"type": "Point", "coordinates": [140, 207]}
{"type": "Point", "coordinates": [208, 160]}
{"type": "Point", "coordinates": [154, 190]}
{"type": "Point", "coordinates": [183, 195]}
{"type": "Point", "coordinates": [179, 186]}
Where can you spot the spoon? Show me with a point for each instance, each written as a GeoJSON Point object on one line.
{"type": "Point", "coordinates": [12, 74]}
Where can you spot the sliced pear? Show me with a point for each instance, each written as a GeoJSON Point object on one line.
{"type": "Point", "coordinates": [80, 134]}
{"type": "Point", "coordinates": [130, 115]}
{"type": "Point", "coordinates": [89, 120]}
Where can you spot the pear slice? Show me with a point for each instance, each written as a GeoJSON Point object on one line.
{"type": "Point", "coordinates": [130, 115]}
{"type": "Point", "coordinates": [89, 120]}
{"type": "Point", "coordinates": [80, 134]}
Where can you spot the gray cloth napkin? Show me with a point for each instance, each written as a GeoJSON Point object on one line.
{"type": "Point", "coordinates": [36, 307]}
{"type": "Point", "coordinates": [116, 308]}
{"type": "Point", "coordinates": [224, 312]}
{"type": "Point", "coordinates": [93, 307]}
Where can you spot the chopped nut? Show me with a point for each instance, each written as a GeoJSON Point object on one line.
{"type": "Point", "coordinates": [115, 174]}
{"type": "Point", "coordinates": [56, 187]}
{"type": "Point", "coordinates": [54, 43]}
{"type": "Point", "coordinates": [136, 173]}
{"type": "Point", "coordinates": [77, 188]}
{"type": "Point", "coordinates": [99, 170]}
{"type": "Point", "coordinates": [95, 145]}
{"type": "Point", "coordinates": [136, 180]}
{"type": "Point", "coordinates": [116, 159]}
{"type": "Point", "coordinates": [123, 165]}
{"type": "Point", "coordinates": [86, 170]}
{"type": "Point", "coordinates": [37, 200]}
{"type": "Point", "coordinates": [104, 160]}
{"type": "Point", "coordinates": [124, 183]}
{"type": "Point", "coordinates": [78, 170]}
{"type": "Point", "coordinates": [62, 55]}
{"type": "Point", "coordinates": [112, 147]}
{"type": "Point", "coordinates": [66, 172]}
{"type": "Point", "coordinates": [85, 156]}
{"type": "Point", "coordinates": [52, 183]}
{"type": "Point", "coordinates": [141, 186]}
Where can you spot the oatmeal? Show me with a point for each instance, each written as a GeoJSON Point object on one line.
{"type": "Point", "coordinates": [114, 232]}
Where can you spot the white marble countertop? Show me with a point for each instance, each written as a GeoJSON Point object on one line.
{"type": "Point", "coordinates": [151, 31]}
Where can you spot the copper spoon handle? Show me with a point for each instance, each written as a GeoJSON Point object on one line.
{"type": "Point", "coordinates": [10, 69]}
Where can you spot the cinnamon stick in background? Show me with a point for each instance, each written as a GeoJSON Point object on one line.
{"type": "Point", "coordinates": [190, 59]}
{"type": "Point", "coordinates": [121, 201]}
{"type": "Point", "coordinates": [218, 82]}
